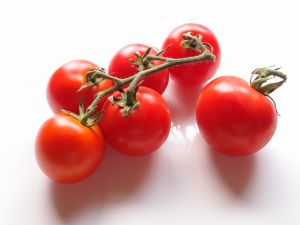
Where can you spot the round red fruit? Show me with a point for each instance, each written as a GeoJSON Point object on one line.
{"type": "Point", "coordinates": [144, 130]}
{"type": "Point", "coordinates": [233, 117]}
{"type": "Point", "coordinates": [66, 150]}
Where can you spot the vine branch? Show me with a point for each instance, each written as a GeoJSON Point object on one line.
{"type": "Point", "coordinates": [95, 74]}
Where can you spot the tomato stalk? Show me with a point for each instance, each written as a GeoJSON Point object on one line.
{"type": "Point", "coordinates": [127, 100]}
{"type": "Point", "coordinates": [261, 76]}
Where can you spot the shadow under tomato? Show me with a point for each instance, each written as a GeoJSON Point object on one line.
{"type": "Point", "coordinates": [116, 179]}
{"type": "Point", "coordinates": [182, 103]}
{"type": "Point", "coordinates": [235, 171]}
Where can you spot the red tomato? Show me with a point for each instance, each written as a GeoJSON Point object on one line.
{"type": "Point", "coordinates": [66, 150]}
{"type": "Point", "coordinates": [234, 118]}
{"type": "Point", "coordinates": [121, 67]}
{"type": "Point", "coordinates": [65, 82]}
{"type": "Point", "coordinates": [197, 73]}
{"type": "Point", "coordinates": [143, 131]}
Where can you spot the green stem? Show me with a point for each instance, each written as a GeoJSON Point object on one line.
{"type": "Point", "coordinates": [119, 83]}
{"type": "Point", "coordinates": [262, 76]}
{"type": "Point", "coordinates": [169, 62]}
{"type": "Point", "coordinates": [104, 75]}
{"type": "Point", "coordinates": [92, 107]}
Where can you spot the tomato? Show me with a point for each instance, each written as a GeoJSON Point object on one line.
{"type": "Point", "coordinates": [65, 82]}
{"type": "Point", "coordinates": [197, 73]}
{"type": "Point", "coordinates": [120, 66]}
{"type": "Point", "coordinates": [143, 131]}
{"type": "Point", "coordinates": [233, 117]}
{"type": "Point", "coordinates": [66, 150]}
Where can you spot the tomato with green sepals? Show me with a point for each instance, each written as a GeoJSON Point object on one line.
{"type": "Point", "coordinates": [131, 59]}
{"type": "Point", "coordinates": [237, 118]}
{"type": "Point", "coordinates": [64, 84]}
{"type": "Point", "coordinates": [140, 131]}
{"type": "Point", "coordinates": [184, 42]}
{"type": "Point", "coordinates": [68, 151]}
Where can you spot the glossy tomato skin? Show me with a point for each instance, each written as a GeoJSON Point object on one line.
{"type": "Point", "coordinates": [121, 67]}
{"type": "Point", "coordinates": [143, 131]}
{"type": "Point", "coordinates": [66, 80]}
{"type": "Point", "coordinates": [192, 74]}
{"type": "Point", "coordinates": [68, 151]}
{"type": "Point", "coordinates": [233, 117]}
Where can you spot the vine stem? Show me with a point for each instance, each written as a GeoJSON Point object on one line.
{"type": "Point", "coordinates": [134, 79]}
{"type": "Point", "coordinates": [262, 75]}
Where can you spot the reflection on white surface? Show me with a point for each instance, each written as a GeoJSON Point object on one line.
{"type": "Point", "coordinates": [186, 133]}
{"type": "Point", "coordinates": [191, 131]}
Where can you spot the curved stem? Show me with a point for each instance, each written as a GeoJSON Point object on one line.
{"type": "Point", "coordinates": [92, 107]}
{"type": "Point", "coordinates": [104, 75]}
{"type": "Point", "coordinates": [119, 83]}
{"type": "Point", "coordinates": [169, 62]}
{"type": "Point", "coordinates": [262, 75]}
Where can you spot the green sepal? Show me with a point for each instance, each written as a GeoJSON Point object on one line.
{"type": "Point", "coordinates": [269, 88]}
{"type": "Point", "coordinates": [128, 109]}
{"type": "Point", "coordinates": [160, 53]}
{"type": "Point", "coordinates": [126, 101]}
{"type": "Point", "coordinates": [90, 84]}
{"type": "Point", "coordinates": [95, 118]}
{"type": "Point", "coordinates": [263, 75]}
{"type": "Point", "coordinates": [140, 61]}
{"type": "Point", "coordinates": [121, 101]}
{"type": "Point", "coordinates": [70, 113]}
{"type": "Point", "coordinates": [147, 52]}
{"type": "Point", "coordinates": [89, 122]}
{"type": "Point", "coordinates": [194, 42]}
{"type": "Point", "coordinates": [92, 78]}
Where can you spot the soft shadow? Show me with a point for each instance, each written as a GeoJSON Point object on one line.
{"type": "Point", "coordinates": [182, 103]}
{"type": "Point", "coordinates": [115, 180]}
{"type": "Point", "coordinates": [235, 171]}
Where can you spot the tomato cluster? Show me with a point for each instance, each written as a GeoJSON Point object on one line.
{"type": "Point", "coordinates": [134, 119]}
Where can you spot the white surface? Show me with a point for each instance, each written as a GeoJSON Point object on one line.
{"type": "Point", "coordinates": [184, 182]}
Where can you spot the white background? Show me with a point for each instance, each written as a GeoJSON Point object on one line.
{"type": "Point", "coordinates": [184, 182]}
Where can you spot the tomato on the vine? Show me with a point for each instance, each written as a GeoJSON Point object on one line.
{"type": "Point", "coordinates": [196, 73]}
{"type": "Point", "coordinates": [144, 130]}
{"type": "Point", "coordinates": [66, 150]}
{"type": "Point", "coordinates": [122, 67]}
{"type": "Point", "coordinates": [233, 117]}
{"type": "Point", "coordinates": [63, 86]}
